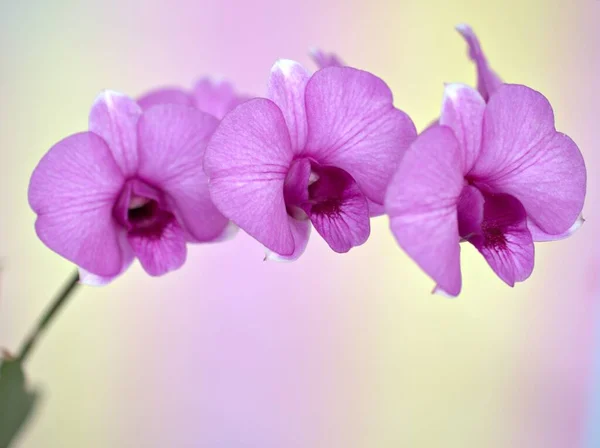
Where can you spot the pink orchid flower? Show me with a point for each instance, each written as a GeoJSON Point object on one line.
{"type": "Point", "coordinates": [210, 96]}
{"type": "Point", "coordinates": [488, 82]}
{"type": "Point", "coordinates": [313, 153]}
{"type": "Point", "coordinates": [489, 174]}
{"type": "Point", "coordinates": [131, 187]}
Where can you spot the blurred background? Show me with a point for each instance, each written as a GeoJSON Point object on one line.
{"type": "Point", "coordinates": [330, 351]}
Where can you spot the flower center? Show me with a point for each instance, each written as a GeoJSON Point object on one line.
{"type": "Point", "coordinates": [145, 217]}
{"type": "Point", "coordinates": [311, 188]}
{"type": "Point", "coordinates": [140, 210]}
{"type": "Point", "coordinates": [493, 235]}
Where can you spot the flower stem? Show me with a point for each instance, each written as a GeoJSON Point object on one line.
{"type": "Point", "coordinates": [48, 316]}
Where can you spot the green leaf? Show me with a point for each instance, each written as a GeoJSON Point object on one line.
{"type": "Point", "coordinates": [17, 402]}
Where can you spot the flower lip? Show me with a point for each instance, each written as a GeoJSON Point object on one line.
{"type": "Point", "coordinates": [493, 235]}
{"type": "Point", "coordinates": [312, 188]}
{"type": "Point", "coordinates": [327, 191]}
{"type": "Point", "coordinates": [329, 197]}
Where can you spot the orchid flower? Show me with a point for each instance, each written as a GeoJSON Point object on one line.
{"type": "Point", "coordinates": [213, 97]}
{"type": "Point", "coordinates": [491, 174]}
{"type": "Point", "coordinates": [315, 152]}
{"type": "Point", "coordinates": [488, 83]}
{"type": "Point", "coordinates": [131, 187]}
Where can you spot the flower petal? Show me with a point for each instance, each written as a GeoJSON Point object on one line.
{"type": "Point", "coordinates": [505, 241]}
{"type": "Point", "coordinates": [87, 278]}
{"type": "Point", "coordinates": [247, 161]}
{"type": "Point", "coordinates": [462, 111]}
{"type": "Point", "coordinates": [338, 209]}
{"type": "Point", "coordinates": [352, 124]}
{"type": "Point", "coordinates": [540, 236]}
{"type": "Point", "coordinates": [301, 233]}
{"type": "Point", "coordinates": [160, 255]}
{"type": "Point", "coordinates": [173, 140]}
{"type": "Point", "coordinates": [375, 209]}
{"type": "Point", "coordinates": [422, 204]}
{"type": "Point", "coordinates": [169, 95]}
{"type": "Point", "coordinates": [286, 87]}
{"type": "Point", "coordinates": [522, 155]}
{"type": "Point", "coordinates": [470, 211]}
{"type": "Point", "coordinates": [324, 60]}
{"type": "Point", "coordinates": [114, 117]}
{"type": "Point", "coordinates": [487, 80]}
{"type": "Point", "coordinates": [295, 188]}
{"type": "Point", "coordinates": [73, 190]}
{"type": "Point", "coordinates": [440, 292]}
{"type": "Point", "coordinates": [216, 97]}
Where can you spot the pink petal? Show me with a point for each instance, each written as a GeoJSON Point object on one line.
{"type": "Point", "coordinates": [470, 211]}
{"type": "Point", "coordinates": [487, 80]}
{"type": "Point", "coordinates": [160, 255]}
{"type": "Point", "coordinates": [506, 243]}
{"type": "Point", "coordinates": [338, 210]}
{"type": "Point", "coordinates": [324, 60]}
{"type": "Point", "coordinates": [173, 140]}
{"type": "Point", "coordinates": [73, 190]}
{"type": "Point", "coordinates": [295, 188]}
{"type": "Point", "coordinates": [286, 89]}
{"type": "Point", "coordinates": [247, 161]}
{"type": "Point", "coordinates": [422, 204]}
{"type": "Point", "coordinates": [114, 117]}
{"type": "Point", "coordinates": [87, 278]}
{"type": "Point", "coordinates": [169, 95]}
{"type": "Point", "coordinates": [375, 209]}
{"type": "Point", "coordinates": [352, 124]}
{"type": "Point", "coordinates": [522, 155]}
{"type": "Point", "coordinates": [540, 236]}
{"type": "Point", "coordinates": [301, 232]}
{"type": "Point", "coordinates": [216, 97]}
{"type": "Point", "coordinates": [462, 111]}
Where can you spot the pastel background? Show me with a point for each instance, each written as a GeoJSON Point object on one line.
{"type": "Point", "coordinates": [331, 351]}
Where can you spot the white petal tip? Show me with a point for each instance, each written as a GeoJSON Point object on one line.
{"type": "Point", "coordinates": [463, 28]}
{"type": "Point", "coordinates": [107, 95]}
{"type": "Point", "coordinates": [89, 279]}
{"type": "Point", "coordinates": [540, 236]}
{"type": "Point", "coordinates": [453, 90]}
{"type": "Point", "coordinates": [576, 225]}
{"type": "Point", "coordinates": [286, 66]}
{"type": "Point", "coordinates": [272, 256]}
{"type": "Point", "coordinates": [440, 292]}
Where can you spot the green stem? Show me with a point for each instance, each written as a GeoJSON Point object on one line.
{"type": "Point", "coordinates": [48, 316]}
